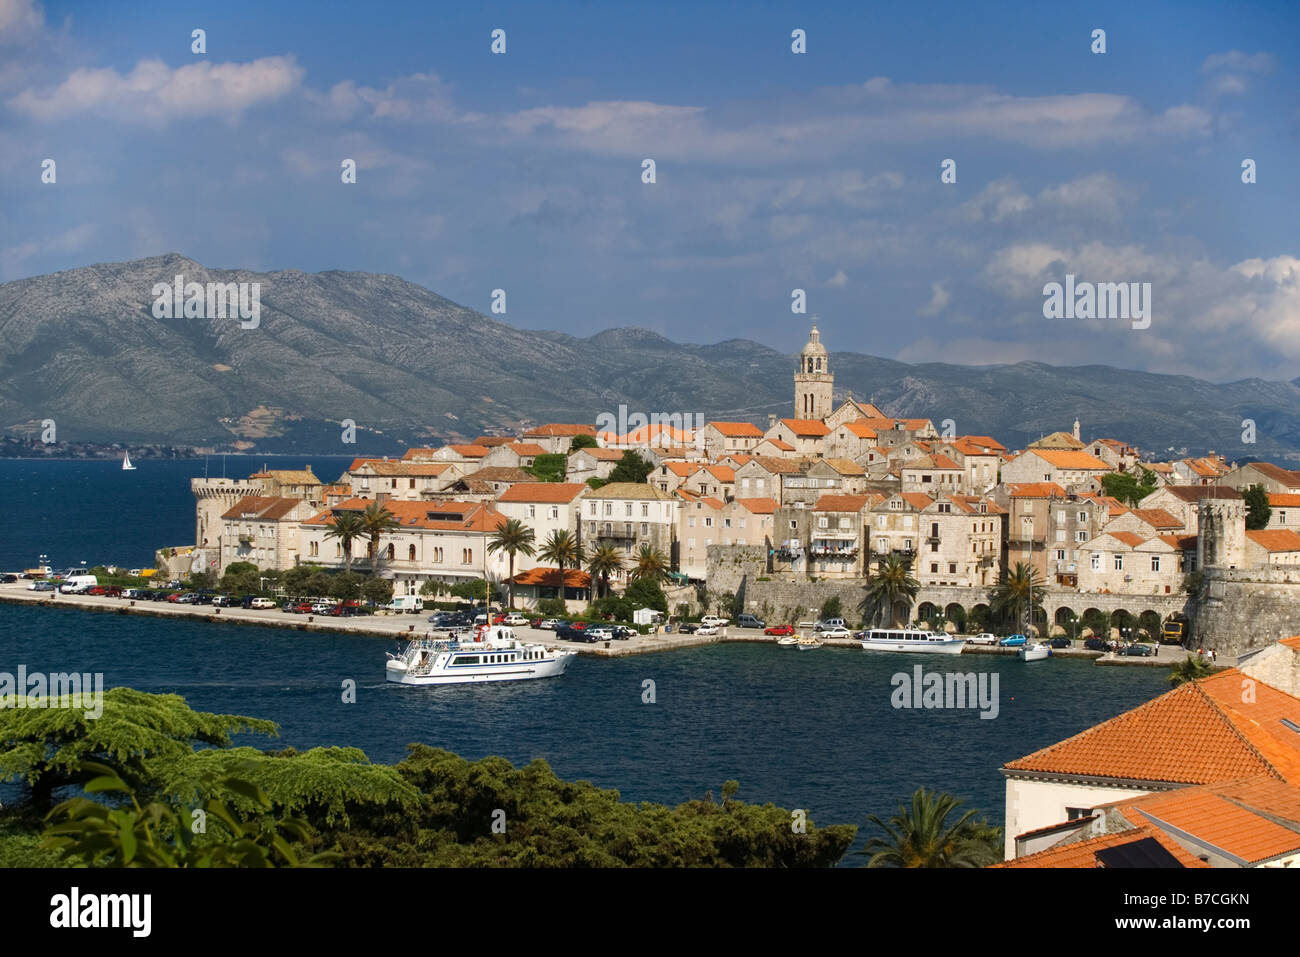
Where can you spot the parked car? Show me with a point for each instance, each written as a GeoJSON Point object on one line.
{"type": "Point", "coordinates": [750, 621]}
{"type": "Point", "coordinates": [600, 633]}
{"type": "Point", "coordinates": [713, 621]}
{"type": "Point", "coordinates": [41, 586]}
{"type": "Point", "coordinates": [322, 607]}
{"type": "Point", "coordinates": [10, 579]}
{"type": "Point", "coordinates": [983, 638]}
{"type": "Point", "coordinates": [1062, 642]}
{"type": "Point", "coordinates": [838, 632]}
{"type": "Point", "coordinates": [1138, 649]}
{"type": "Point", "coordinates": [1013, 641]}
{"type": "Point", "coordinates": [829, 624]}
{"type": "Point", "coordinates": [261, 603]}
{"type": "Point", "coordinates": [225, 601]}
{"type": "Point", "coordinates": [188, 598]}
{"type": "Point", "coordinates": [624, 632]}
{"type": "Point", "coordinates": [515, 620]}
{"type": "Point", "coordinates": [689, 627]}
{"type": "Point", "coordinates": [780, 630]}
{"type": "Point", "coordinates": [706, 630]}
{"type": "Point", "coordinates": [547, 624]}
{"type": "Point", "coordinates": [1093, 643]}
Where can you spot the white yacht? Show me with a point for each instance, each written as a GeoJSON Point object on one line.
{"type": "Point", "coordinates": [126, 462]}
{"type": "Point", "coordinates": [494, 654]}
{"type": "Point", "coordinates": [1035, 652]}
{"type": "Point", "coordinates": [911, 640]}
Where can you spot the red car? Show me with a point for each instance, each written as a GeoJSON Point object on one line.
{"type": "Point", "coordinates": [780, 630]}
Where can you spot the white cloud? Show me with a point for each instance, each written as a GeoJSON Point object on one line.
{"type": "Point", "coordinates": [20, 19]}
{"type": "Point", "coordinates": [154, 93]}
{"type": "Point", "coordinates": [839, 280]}
{"type": "Point", "coordinates": [939, 299]}
{"type": "Point", "coordinates": [13, 259]}
{"type": "Point", "coordinates": [1236, 60]}
{"type": "Point", "coordinates": [998, 201]}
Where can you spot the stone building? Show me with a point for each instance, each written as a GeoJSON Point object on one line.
{"type": "Point", "coordinates": [813, 382]}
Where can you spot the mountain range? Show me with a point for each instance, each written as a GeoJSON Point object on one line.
{"type": "Point", "coordinates": [83, 348]}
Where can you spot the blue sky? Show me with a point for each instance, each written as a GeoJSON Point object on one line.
{"type": "Point", "coordinates": [775, 171]}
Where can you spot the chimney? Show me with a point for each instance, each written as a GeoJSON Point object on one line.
{"type": "Point", "coordinates": [771, 420]}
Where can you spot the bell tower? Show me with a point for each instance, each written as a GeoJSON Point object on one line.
{"type": "Point", "coordinates": [813, 380]}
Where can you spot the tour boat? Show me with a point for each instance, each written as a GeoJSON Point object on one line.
{"type": "Point", "coordinates": [911, 640]}
{"type": "Point", "coordinates": [494, 654]}
{"type": "Point", "coordinates": [1035, 652]}
{"type": "Point", "coordinates": [126, 462]}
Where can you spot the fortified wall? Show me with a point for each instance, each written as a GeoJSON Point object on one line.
{"type": "Point", "coordinates": [1244, 609]}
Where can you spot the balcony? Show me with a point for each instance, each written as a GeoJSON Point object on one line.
{"type": "Point", "coordinates": [827, 551]}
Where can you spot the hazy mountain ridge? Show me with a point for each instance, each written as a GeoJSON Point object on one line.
{"type": "Point", "coordinates": [83, 348]}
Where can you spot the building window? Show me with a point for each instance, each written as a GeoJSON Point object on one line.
{"type": "Point", "coordinates": [821, 521]}
{"type": "Point", "coordinates": [555, 511]}
{"type": "Point", "coordinates": [645, 529]}
{"type": "Point", "coordinates": [952, 568]}
{"type": "Point", "coordinates": [1119, 562]}
{"type": "Point", "coordinates": [410, 553]}
{"type": "Point", "coordinates": [645, 510]}
{"type": "Point", "coordinates": [532, 511]}
{"type": "Point", "coordinates": [934, 568]}
{"type": "Point", "coordinates": [392, 551]}
{"type": "Point", "coordinates": [1155, 563]}
{"type": "Point", "coordinates": [1096, 561]}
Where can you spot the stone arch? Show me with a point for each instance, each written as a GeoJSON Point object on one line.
{"type": "Point", "coordinates": [1151, 622]}
{"type": "Point", "coordinates": [955, 613]}
{"type": "Point", "coordinates": [926, 611]}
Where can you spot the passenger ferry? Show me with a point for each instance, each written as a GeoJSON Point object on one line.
{"type": "Point", "coordinates": [910, 640]}
{"type": "Point", "coordinates": [494, 654]}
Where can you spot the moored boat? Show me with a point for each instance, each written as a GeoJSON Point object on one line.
{"type": "Point", "coordinates": [494, 654]}
{"type": "Point", "coordinates": [808, 644]}
{"type": "Point", "coordinates": [910, 640]}
{"type": "Point", "coordinates": [789, 641]}
{"type": "Point", "coordinates": [1035, 652]}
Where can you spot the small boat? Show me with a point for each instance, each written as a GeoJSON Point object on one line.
{"type": "Point", "coordinates": [808, 644]}
{"type": "Point", "coordinates": [910, 640]}
{"type": "Point", "coordinates": [1035, 652]}
{"type": "Point", "coordinates": [789, 641]}
{"type": "Point", "coordinates": [494, 654]}
{"type": "Point", "coordinates": [126, 462]}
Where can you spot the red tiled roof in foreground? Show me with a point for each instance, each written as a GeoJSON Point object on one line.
{"type": "Point", "coordinates": [1084, 853]}
{"type": "Point", "coordinates": [1222, 728]}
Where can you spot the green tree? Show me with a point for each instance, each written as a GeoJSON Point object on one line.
{"type": "Point", "coordinates": [595, 483]}
{"type": "Point", "coordinates": [650, 563]}
{"type": "Point", "coordinates": [1016, 588]}
{"type": "Point", "coordinates": [832, 608]}
{"type": "Point", "coordinates": [346, 586]}
{"type": "Point", "coordinates": [583, 442]}
{"type": "Point", "coordinates": [1258, 510]}
{"type": "Point", "coordinates": [552, 608]}
{"type": "Point", "coordinates": [377, 521]}
{"type": "Point", "coordinates": [921, 836]}
{"type": "Point", "coordinates": [240, 578]}
{"type": "Point", "coordinates": [1128, 488]}
{"type": "Point", "coordinates": [603, 561]}
{"type": "Point", "coordinates": [203, 581]}
{"type": "Point", "coordinates": [561, 550]}
{"type": "Point", "coordinates": [347, 527]}
{"type": "Point", "coordinates": [514, 538]}
{"type": "Point", "coordinates": [646, 593]}
{"type": "Point", "coordinates": [474, 589]}
{"type": "Point", "coordinates": [631, 468]}
{"type": "Point", "coordinates": [550, 467]}
{"type": "Point", "coordinates": [892, 583]}
{"type": "Point", "coordinates": [377, 590]}
{"type": "Point", "coordinates": [1192, 668]}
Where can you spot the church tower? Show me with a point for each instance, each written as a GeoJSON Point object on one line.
{"type": "Point", "coordinates": [813, 381]}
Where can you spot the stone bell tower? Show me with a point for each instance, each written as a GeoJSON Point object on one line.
{"type": "Point", "coordinates": [813, 380]}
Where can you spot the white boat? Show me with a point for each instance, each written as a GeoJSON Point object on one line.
{"type": "Point", "coordinates": [911, 640]}
{"type": "Point", "coordinates": [808, 644]}
{"type": "Point", "coordinates": [126, 462]}
{"type": "Point", "coordinates": [789, 641]}
{"type": "Point", "coordinates": [1035, 652]}
{"type": "Point", "coordinates": [494, 654]}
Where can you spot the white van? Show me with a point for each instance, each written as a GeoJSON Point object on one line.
{"type": "Point", "coordinates": [411, 604]}
{"type": "Point", "coordinates": [78, 584]}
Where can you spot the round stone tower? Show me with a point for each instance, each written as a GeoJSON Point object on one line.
{"type": "Point", "coordinates": [813, 380]}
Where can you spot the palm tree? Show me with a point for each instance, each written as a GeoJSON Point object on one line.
{"type": "Point", "coordinates": [651, 563]}
{"type": "Point", "coordinates": [512, 537]}
{"type": "Point", "coordinates": [347, 527]}
{"type": "Point", "coordinates": [921, 836]}
{"type": "Point", "coordinates": [561, 549]}
{"type": "Point", "coordinates": [376, 521]}
{"type": "Point", "coordinates": [892, 583]}
{"type": "Point", "coordinates": [603, 562]}
{"type": "Point", "coordinates": [1015, 592]}
{"type": "Point", "coordinates": [1192, 669]}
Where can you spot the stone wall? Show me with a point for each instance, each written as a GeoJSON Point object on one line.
{"type": "Point", "coordinates": [1243, 609]}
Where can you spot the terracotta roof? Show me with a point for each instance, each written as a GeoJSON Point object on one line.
{"type": "Point", "coordinates": [1186, 543]}
{"type": "Point", "coordinates": [290, 476]}
{"type": "Point", "coordinates": [1276, 539]}
{"type": "Point", "coordinates": [806, 427]}
{"type": "Point", "coordinates": [759, 506]}
{"type": "Point", "coordinates": [542, 492]}
{"type": "Point", "coordinates": [393, 468]}
{"type": "Point", "coordinates": [263, 508]}
{"type": "Point", "coordinates": [1275, 472]}
{"type": "Point", "coordinates": [561, 429]}
{"type": "Point", "coordinates": [1056, 440]}
{"type": "Point", "coordinates": [841, 503]}
{"type": "Point", "coordinates": [336, 490]}
{"type": "Point", "coordinates": [1084, 853]}
{"type": "Point", "coordinates": [601, 455]}
{"type": "Point", "coordinates": [501, 473]}
{"type": "Point", "coordinates": [1157, 517]}
{"type": "Point", "coordinates": [1254, 820]}
{"type": "Point", "coordinates": [629, 490]}
{"type": "Point", "coordinates": [357, 463]}
{"type": "Point", "coordinates": [542, 575]}
{"type": "Point", "coordinates": [783, 446]}
{"type": "Point", "coordinates": [681, 469]}
{"type": "Point", "coordinates": [409, 456]}
{"type": "Point", "coordinates": [1209, 468]}
{"type": "Point", "coordinates": [1193, 493]}
{"type": "Point", "coordinates": [738, 430]}
{"type": "Point", "coordinates": [468, 451]}
{"type": "Point", "coordinates": [846, 466]}
{"type": "Point", "coordinates": [492, 441]}
{"type": "Point", "coordinates": [860, 428]}
{"type": "Point", "coordinates": [1281, 499]}
{"type": "Point", "coordinates": [450, 516]}
{"type": "Point", "coordinates": [1131, 539]}
{"type": "Point", "coordinates": [772, 463]}
{"type": "Point", "coordinates": [1035, 490]}
{"type": "Point", "coordinates": [722, 473]}
{"type": "Point", "coordinates": [1070, 459]}
{"type": "Point", "coordinates": [531, 448]}
{"type": "Point", "coordinates": [886, 424]}
{"type": "Point", "coordinates": [738, 458]}
{"type": "Point", "coordinates": [917, 500]}
{"type": "Point", "coordinates": [1199, 733]}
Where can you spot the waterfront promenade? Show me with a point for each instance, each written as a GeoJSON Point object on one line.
{"type": "Point", "coordinates": [403, 626]}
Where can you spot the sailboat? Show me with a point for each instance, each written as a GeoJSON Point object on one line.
{"type": "Point", "coordinates": [126, 462]}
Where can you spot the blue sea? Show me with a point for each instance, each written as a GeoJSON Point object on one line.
{"type": "Point", "coordinates": [813, 730]}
